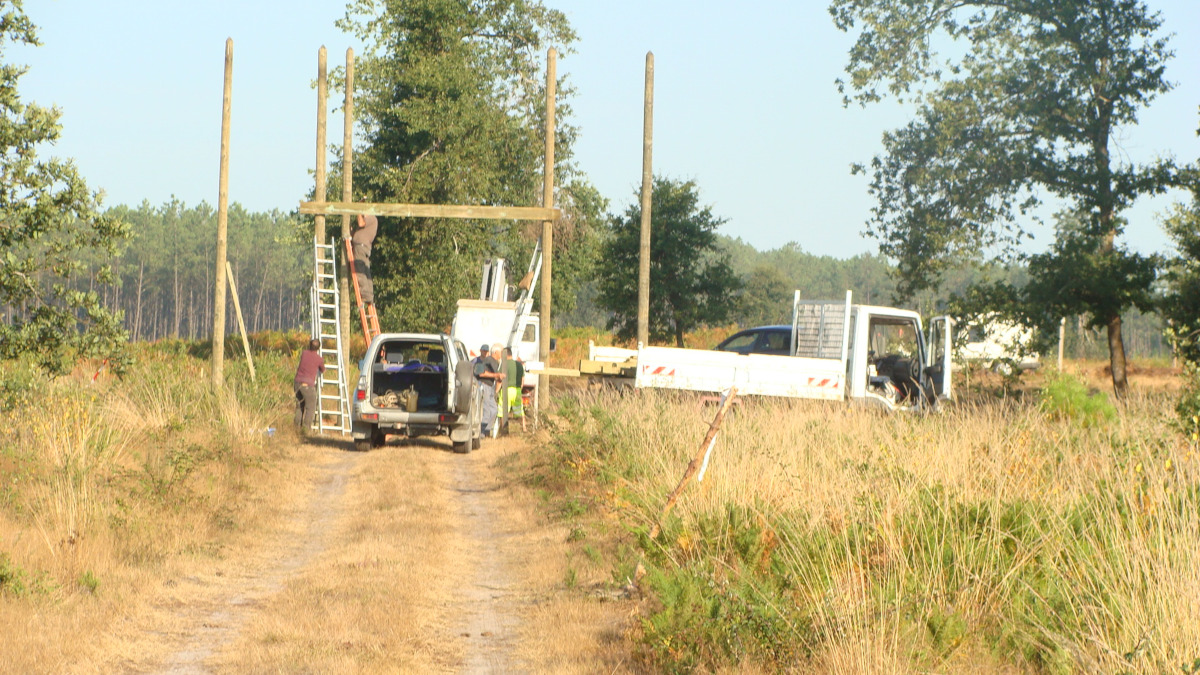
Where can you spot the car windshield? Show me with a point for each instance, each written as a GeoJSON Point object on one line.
{"type": "Point", "coordinates": [740, 342]}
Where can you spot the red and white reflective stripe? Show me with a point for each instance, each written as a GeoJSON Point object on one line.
{"type": "Point", "coordinates": [826, 382]}
{"type": "Point", "coordinates": [660, 370]}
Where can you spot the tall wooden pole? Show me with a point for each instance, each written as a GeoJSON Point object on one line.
{"type": "Point", "coordinates": [547, 225]}
{"type": "Point", "coordinates": [643, 312]}
{"type": "Point", "coordinates": [218, 338]}
{"type": "Point", "coordinates": [347, 195]}
{"type": "Point", "coordinates": [322, 111]}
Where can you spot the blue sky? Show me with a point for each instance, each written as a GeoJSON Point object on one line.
{"type": "Point", "coordinates": [744, 104]}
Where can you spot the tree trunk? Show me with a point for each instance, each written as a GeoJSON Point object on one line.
{"type": "Point", "coordinates": [178, 305]}
{"type": "Point", "coordinates": [1116, 357]}
{"type": "Point", "coordinates": [678, 335]}
{"type": "Point", "coordinates": [1108, 229]}
{"type": "Point", "coordinates": [137, 322]}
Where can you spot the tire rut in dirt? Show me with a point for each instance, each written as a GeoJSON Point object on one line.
{"type": "Point", "coordinates": [217, 620]}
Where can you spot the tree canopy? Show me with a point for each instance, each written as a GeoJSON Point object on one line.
{"type": "Point", "coordinates": [450, 96]}
{"type": "Point", "coordinates": [49, 219]}
{"type": "Point", "coordinates": [1181, 305]}
{"type": "Point", "coordinates": [691, 281]}
{"type": "Point", "coordinates": [1026, 112]}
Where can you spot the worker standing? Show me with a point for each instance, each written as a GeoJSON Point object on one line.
{"type": "Point", "coordinates": [305, 384]}
{"type": "Point", "coordinates": [363, 238]}
{"type": "Point", "coordinates": [511, 402]}
{"type": "Point", "coordinates": [486, 372]}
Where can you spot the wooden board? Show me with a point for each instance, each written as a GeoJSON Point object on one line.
{"type": "Point", "coordinates": [429, 211]}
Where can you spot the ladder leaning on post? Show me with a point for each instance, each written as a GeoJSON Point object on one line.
{"type": "Point", "coordinates": [326, 327]}
{"type": "Point", "coordinates": [366, 315]}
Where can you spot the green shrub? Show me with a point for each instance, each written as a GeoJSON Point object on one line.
{"type": "Point", "coordinates": [1188, 406]}
{"type": "Point", "coordinates": [1066, 397]}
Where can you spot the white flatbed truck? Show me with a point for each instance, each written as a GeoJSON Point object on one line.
{"type": "Point", "coordinates": [863, 354]}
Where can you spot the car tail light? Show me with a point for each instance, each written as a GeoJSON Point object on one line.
{"type": "Point", "coordinates": [371, 417]}
{"type": "Point", "coordinates": [360, 395]}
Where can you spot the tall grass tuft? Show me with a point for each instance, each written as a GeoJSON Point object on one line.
{"type": "Point", "coordinates": [999, 537]}
{"type": "Point", "coordinates": [100, 476]}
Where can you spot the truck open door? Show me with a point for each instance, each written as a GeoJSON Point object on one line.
{"type": "Point", "coordinates": [940, 369]}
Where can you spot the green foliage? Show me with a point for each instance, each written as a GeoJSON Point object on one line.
{"type": "Point", "coordinates": [165, 271]}
{"type": "Point", "coordinates": [49, 220]}
{"type": "Point", "coordinates": [1187, 409]}
{"type": "Point", "coordinates": [15, 581]}
{"type": "Point", "coordinates": [450, 97]}
{"type": "Point", "coordinates": [766, 298]}
{"type": "Point", "coordinates": [1029, 108]}
{"type": "Point", "coordinates": [691, 279]}
{"type": "Point", "coordinates": [89, 581]}
{"type": "Point", "coordinates": [1181, 304]}
{"type": "Point", "coordinates": [1066, 397]}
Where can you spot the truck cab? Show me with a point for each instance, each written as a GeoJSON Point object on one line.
{"type": "Point", "coordinates": [479, 322]}
{"type": "Point", "coordinates": [892, 362]}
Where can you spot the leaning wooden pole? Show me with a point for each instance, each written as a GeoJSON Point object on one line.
{"type": "Point", "coordinates": [218, 336]}
{"type": "Point", "coordinates": [237, 310]}
{"type": "Point", "coordinates": [322, 112]}
{"type": "Point", "coordinates": [694, 465]}
{"type": "Point", "coordinates": [347, 195]}
{"type": "Point", "coordinates": [547, 226]}
{"type": "Point", "coordinates": [643, 308]}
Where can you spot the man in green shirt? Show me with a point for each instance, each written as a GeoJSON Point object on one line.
{"type": "Point", "coordinates": [514, 373]}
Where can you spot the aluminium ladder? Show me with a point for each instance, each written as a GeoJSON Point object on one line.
{"type": "Point", "coordinates": [333, 400]}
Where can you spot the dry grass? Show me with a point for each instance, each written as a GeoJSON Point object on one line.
{"type": "Point", "coordinates": [110, 489]}
{"type": "Point", "coordinates": [990, 538]}
{"type": "Point", "coordinates": [435, 563]}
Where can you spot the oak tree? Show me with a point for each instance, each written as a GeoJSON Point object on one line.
{"type": "Point", "coordinates": [691, 281]}
{"type": "Point", "coordinates": [450, 98]}
{"type": "Point", "coordinates": [1026, 109]}
{"type": "Point", "coordinates": [49, 220]}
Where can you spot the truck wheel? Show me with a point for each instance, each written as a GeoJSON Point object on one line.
{"type": "Point", "coordinates": [362, 444]}
{"type": "Point", "coordinates": [378, 438]}
{"type": "Point", "coordinates": [463, 448]}
{"type": "Point", "coordinates": [476, 442]}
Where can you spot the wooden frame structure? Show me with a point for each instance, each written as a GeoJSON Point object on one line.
{"type": "Point", "coordinates": [347, 208]}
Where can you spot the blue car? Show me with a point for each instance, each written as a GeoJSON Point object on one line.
{"type": "Point", "coordinates": [775, 340]}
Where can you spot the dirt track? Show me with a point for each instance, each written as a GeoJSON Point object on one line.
{"type": "Point", "coordinates": [409, 558]}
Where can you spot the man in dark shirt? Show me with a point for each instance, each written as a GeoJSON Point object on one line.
{"type": "Point", "coordinates": [305, 384]}
{"type": "Point", "coordinates": [362, 240]}
{"type": "Point", "coordinates": [486, 372]}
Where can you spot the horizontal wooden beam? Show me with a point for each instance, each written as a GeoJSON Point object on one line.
{"type": "Point", "coordinates": [429, 211]}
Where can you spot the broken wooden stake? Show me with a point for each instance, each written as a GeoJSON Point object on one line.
{"type": "Point", "coordinates": [701, 459]}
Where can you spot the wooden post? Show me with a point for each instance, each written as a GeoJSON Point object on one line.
{"type": "Point", "coordinates": [547, 228]}
{"type": "Point", "coordinates": [322, 110]}
{"type": "Point", "coordinates": [237, 308]}
{"type": "Point", "coordinates": [1062, 333]}
{"type": "Point", "coordinates": [218, 338]}
{"type": "Point", "coordinates": [643, 311]}
{"type": "Point", "coordinates": [347, 195]}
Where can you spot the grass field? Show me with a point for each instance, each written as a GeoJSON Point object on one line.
{"type": "Point", "coordinates": [1033, 527]}
{"type": "Point", "coordinates": [1029, 529]}
{"type": "Point", "coordinates": [111, 485]}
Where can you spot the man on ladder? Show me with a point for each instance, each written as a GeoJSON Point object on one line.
{"type": "Point", "coordinates": [361, 242]}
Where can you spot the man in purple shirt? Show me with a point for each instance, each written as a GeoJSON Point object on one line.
{"type": "Point", "coordinates": [305, 385]}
